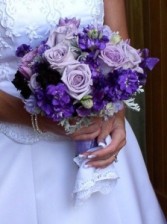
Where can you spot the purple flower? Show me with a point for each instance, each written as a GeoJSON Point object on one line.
{"type": "Point", "coordinates": [148, 62]}
{"type": "Point", "coordinates": [78, 80]}
{"type": "Point", "coordinates": [59, 56]}
{"type": "Point", "coordinates": [92, 38]}
{"type": "Point", "coordinates": [22, 50]}
{"type": "Point", "coordinates": [106, 31]}
{"type": "Point", "coordinates": [67, 29]}
{"type": "Point", "coordinates": [31, 105]}
{"type": "Point", "coordinates": [83, 112]}
{"type": "Point", "coordinates": [133, 56]}
{"type": "Point", "coordinates": [42, 48]}
{"type": "Point", "coordinates": [98, 100]}
{"type": "Point", "coordinates": [25, 70]}
{"type": "Point", "coordinates": [113, 56]}
{"type": "Point", "coordinates": [67, 22]}
{"type": "Point", "coordinates": [55, 102]}
{"type": "Point", "coordinates": [26, 63]}
{"type": "Point", "coordinates": [123, 84]}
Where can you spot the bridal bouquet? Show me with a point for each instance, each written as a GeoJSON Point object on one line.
{"type": "Point", "coordinates": [81, 72]}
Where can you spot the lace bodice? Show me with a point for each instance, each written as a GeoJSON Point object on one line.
{"type": "Point", "coordinates": [29, 21]}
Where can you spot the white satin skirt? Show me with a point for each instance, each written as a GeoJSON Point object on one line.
{"type": "Point", "coordinates": [37, 180]}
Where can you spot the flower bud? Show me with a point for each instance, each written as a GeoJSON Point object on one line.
{"type": "Point", "coordinates": [116, 38]}
{"type": "Point", "coordinates": [93, 34]}
{"type": "Point", "coordinates": [87, 102]}
{"type": "Point", "coordinates": [109, 111]}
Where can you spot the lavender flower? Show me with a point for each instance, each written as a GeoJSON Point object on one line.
{"type": "Point", "coordinates": [123, 84]}
{"type": "Point", "coordinates": [148, 63]}
{"type": "Point", "coordinates": [55, 102]}
{"type": "Point", "coordinates": [68, 22]}
{"type": "Point", "coordinates": [92, 39]}
{"type": "Point", "coordinates": [22, 50]}
{"type": "Point", "coordinates": [78, 80]}
{"type": "Point", "coordinates": [67, 29]}
{"type": "Point", "coordinates": [59, 56]}
{"type": "Point", "coordinates": [31, 105]}
{"type": "Point", "coordinates": [42, 48]}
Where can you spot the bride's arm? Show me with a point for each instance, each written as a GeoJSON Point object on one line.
{"type": "Point", "coordinates": [12, 111]}
{"type": "Point", "coordinates": [115, 16]}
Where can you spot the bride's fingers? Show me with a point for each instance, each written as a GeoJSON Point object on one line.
{"type": "Point", "coordinates": [118, 141]}
{"type": "Point", "coordinates": [102, 163]}
{"type": "Point", "coordinates": [88, 130]}
{"type": "Point", "coordinates": [87, 136]}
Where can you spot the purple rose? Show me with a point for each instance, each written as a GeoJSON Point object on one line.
{"type": "Point", "coordinates": [25, 67]}
{"type": "Point", "coordinates": [66, 30]}
{"type": "Point", "coordinates": [28, 58]}
{"type": "Point", "coordinates": [113, 56]}
{"type": "Point", "coordinates": [78, 80]}
{"type": "Point", "coordinates": [25, 70]}
{"type": "Point", "coordinates": [59, 56]}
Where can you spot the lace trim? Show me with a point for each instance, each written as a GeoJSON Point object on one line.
{"type": "Point", "coordinates": [102, 181]}
{"type": "Point", "coordinates": [9, 10]}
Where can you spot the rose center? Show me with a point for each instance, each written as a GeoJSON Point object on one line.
{"type": "Point", "coordinates": [77, 80]}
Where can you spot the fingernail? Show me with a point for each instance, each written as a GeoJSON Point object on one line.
{"type": "Point", "coordinates": [91, 156]}
{"type": "Point", "coordinates": [82, 156]}
{"type": "Point", "coordinates": [86, 166]}
{"type": "Point", "coordinates": [102, 144]}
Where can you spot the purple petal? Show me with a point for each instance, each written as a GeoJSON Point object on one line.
{"type": "Point", "coordinates": [151, 62]}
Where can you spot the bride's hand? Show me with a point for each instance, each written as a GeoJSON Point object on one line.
{"type": "Point", "coordinates": [116, 128]}
{"type": "Point", "coordinates": [85, 133]}
{"type": "Point", "coordinates": [89, 133]}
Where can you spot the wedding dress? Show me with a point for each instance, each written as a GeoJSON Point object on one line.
{"type": "Point", "coordinates": [37, 172]}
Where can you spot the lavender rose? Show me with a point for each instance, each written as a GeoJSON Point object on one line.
{"type": "Point", "coordinates": [33, 84]}
{"type": "Point", "coordinates": [66, 30]}
{"type": "Point", "coordinates": [78, 80]}
{"type": "Point", "coordinates": [59, 56]}
{"type": "Point", "coordinates": [132, 56]}
{"type": "Point", "coordinates": [113, 55]}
